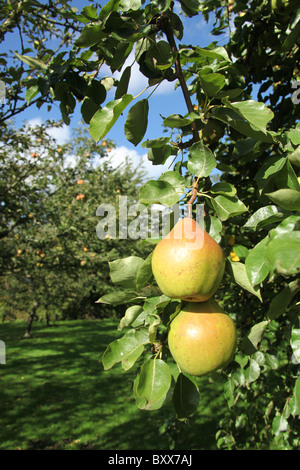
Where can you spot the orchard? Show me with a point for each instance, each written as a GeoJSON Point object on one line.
{"type": "Point", "coordinates": [221, 300]}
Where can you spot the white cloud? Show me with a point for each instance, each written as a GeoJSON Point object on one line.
{"type": "Point", "coordinates": [117, 157]}
{"type": "Point", "coordinates": [34, 122]}
{"type": "Point", "coordinates": [71, 161]}
{"type": "Point", "coordinates": [61, 134]}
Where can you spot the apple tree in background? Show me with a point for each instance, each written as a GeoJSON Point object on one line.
{"type": "Point", "coordinates": [242, 119]}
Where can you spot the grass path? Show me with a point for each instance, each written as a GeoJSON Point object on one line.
{"type": "Point", "coordinates": [54, 394]}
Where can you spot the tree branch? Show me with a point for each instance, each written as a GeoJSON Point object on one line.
{"type": "Point", "coordinates": [164, 24]}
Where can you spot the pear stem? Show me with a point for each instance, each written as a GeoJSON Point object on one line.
{"type": "Point", "coordinates": [194, 195]}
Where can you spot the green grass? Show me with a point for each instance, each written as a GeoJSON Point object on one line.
{"type": "Point", "coordinates": [54, 394]}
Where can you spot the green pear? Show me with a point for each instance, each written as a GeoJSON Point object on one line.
{"type": "Point", "coordinates": [202, 338]}
{"type": "Point", "coordinates": [212, 132]}
{"type": "Point", "coordinates": [188, 264]}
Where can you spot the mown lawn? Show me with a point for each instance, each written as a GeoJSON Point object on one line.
{"type": "Point", "coordinates": [54, 394]}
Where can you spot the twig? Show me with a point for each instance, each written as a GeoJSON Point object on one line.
{"type": "Point", "coordinates": [163, 22]}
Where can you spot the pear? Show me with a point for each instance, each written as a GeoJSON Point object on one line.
{"type": "Point", "coordinates": [212, 132]}
{"type": "Point", "coordinates": [188, 264]}
{"type": "Point", "coordinates": [202, 338]}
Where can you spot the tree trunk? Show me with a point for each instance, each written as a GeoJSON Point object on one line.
{"type": "Point", "coordinates": [30, 319]}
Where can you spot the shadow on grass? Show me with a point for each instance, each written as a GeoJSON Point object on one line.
{"type": "Point", "coordinates": [55, 395]}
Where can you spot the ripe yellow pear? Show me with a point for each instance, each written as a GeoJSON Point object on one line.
{"type": "Point", "coordinates": [202, 338]}
{"type": "Point", "coordinates": [188, 264]}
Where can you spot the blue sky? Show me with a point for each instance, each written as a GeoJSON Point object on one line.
{"type": "Point", "coordinates": [164, 101]}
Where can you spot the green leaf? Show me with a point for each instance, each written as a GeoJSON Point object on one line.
{"type": "Point", "coordinates": [137, 122]}
{"type": "Point", "coordinates": [197, 54]}
{"type": "Point", "coordinates": [297, 396]}
{"type": "Point", "coordinates": [32, 62]}
{"type": "Point", "coordinates": [118, 297]}
{"type": "Point", "coordinates": [288, 199]}
{"type": "Point", "coordinates": [238, 272]}
{"type": "Point", "coordinates": [108, 8]}
{"type": "Point", "coordinates": [241, 251]}
{"type": "Point", "coordinates": [252, 372]}
{"type": "Point", "coordinates": [90, 12]}
{"type": "Point", "coordinates": [152, 304]}
{"type": "Point", "coordinates": [287, 225]}
{"type": "Point", "coordinates": [279, 424]}
{"type": "Point", "coordinates": [155, 143]}
{"type": "Point", "coordinates": [283, 253]}
{"type": "Point", "coordinates": [227, 207]}
{"type": "Point", "coordinates": [255, 264]}
{"type": "Point", "coordinates": [129, 346]}
{"type": "Point", "coordinates": [88, 109]}
{"type": "Point", "coordinates": [130, 316]}
{"type": "Point", "coordinates": [105, 118]}
{"type": "Point", "coordinates": [127, 5]}
{"type": "Point", "coordinates": [160, 56]}
{"type": "Point", "coordinates": [241, 359]}
{"type": "Point", "coordinates": [282, 300]}
{"type": "Point", "coordinates": [144, 273]}
{"type": "Point", "coordinates": [153, 384]}
{"type": "Point", "coordinates": [90, 35]}
{"type": "Point", "coordinates": [154, 324]}
{"type": "Point", "coordinates": [287, 178]}
{"type": "Point", "coordinates": [159, 155]}
{"type": "Point", "coordinates": [224, 188]}
{"type": "Point", "coordinates": [294, 157]}
{"type": "Point", "coordinates": [140, 320]}
{"type": "Point", "coordinates": [256, 113]}
{"type": "Point", "coordinates": [212, 83]}
{"type": "Point", "coordinates": [272, 361]}
{"type": "Point", "coordinates": [245, 147]}
{"type": "Point", "coordinates": [122, 86]}
{"type": "Point", "coordinates": [268, 170]}
{"type": "Point", "coordinates": [31, 93]}
{"type": "Point", "coordinates": [176, 121]}
{"type": "Point", "coordinates": [121, 53]}
{"type": "Point", "coordinates": [214, 227]}
{"type": "Point", "coordinates": [295, 343]}
{"type": "Point", "coordinates": [124, 271]}
{"type": "Point", "coordinates": [229, 387]}
{"type": "Point", "coordinates": [132, 357]}
{"type": "Point", "coordinates": [96, 91]}
{"type": "Point", "coordinates": [264, 216]}
{"type": "Point", "coordinates": [291, 38]}
{"type": "Point", "coordinates": [201, 160]}
{"type": "Point", "coordinates": [190, 7]}
{"type": "Point", "coordinates": [249, 344]}
{"type": "Point", "coordinates": [175, 179]}
{"type": "Point", "coordinates": [185, 397]}
{"type": "Point", "coordinates": [235, 120]}
{"type": "Point", "coordinates": [160, 192]}
{"type": "Point", "coordinates": [139, 400]}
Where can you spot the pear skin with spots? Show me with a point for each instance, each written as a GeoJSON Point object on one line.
{"type": "Point", "coordinates": [188, 263]}
{"type": "Point", "coordinates": [202, 338]}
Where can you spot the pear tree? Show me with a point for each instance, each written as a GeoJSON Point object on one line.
{"type": "Point", "coordinates": [241, 121]}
